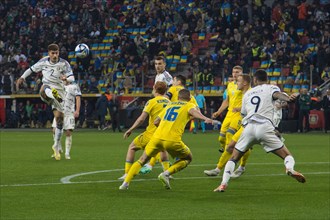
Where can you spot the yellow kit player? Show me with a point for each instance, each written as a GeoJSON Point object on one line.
{"type": "Point", "coordinates": [172, 122]}
{"type": "Point", "coordinates": [232, 121]}
{"type": "Point", "coordinates": [179, 83]}
{"type": "Point", "coordinates": [173, 94]}
{"type": "Point", "coordinates": [152, 109]}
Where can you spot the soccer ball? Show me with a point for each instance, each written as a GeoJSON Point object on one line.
{"type": "Point", "coordinates": [81, 50]}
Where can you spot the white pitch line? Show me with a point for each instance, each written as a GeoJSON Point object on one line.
{"type": "Point", "coordinates": [67, 179]}
{"type": "Point", "coordinates": [154, 179]}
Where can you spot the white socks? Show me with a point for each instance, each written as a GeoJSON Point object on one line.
{"type": "Point", "coordinates": [229, 169]}
{"type": "Point", "coordinates": [68, 143]}
{"type": "Point", "coordinates": [241, 168]}
{"type": "Point", "coordinates": [57, 137]}
{"type": "Point", "coordinates": [289, 162]}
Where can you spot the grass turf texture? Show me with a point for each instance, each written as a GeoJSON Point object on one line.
{"type": "Point", "coordinates": [31, 187]}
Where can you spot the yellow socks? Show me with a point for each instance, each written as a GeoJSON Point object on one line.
{"type": "Point", "coordinates": [223, 159]}
{"type": "Point", "coordinates": [133, 171]}
{"type": "Point", "coordinates": [177, 166]}
{"type": "Point", "coordinates": [166, 165]}
{"type": "Point", "coordinates": [128, 166]}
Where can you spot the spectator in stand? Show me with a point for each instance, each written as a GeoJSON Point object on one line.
{"type": "Point", "coordinates": [21, 114]}
{"type": "Point", "coordinates": [84, 86]}
{"type": "Point", "coordinates": [113, 106]}
{"type": "Point", "coordinates": [28, 110]}
{"type": "Point", "coordinates": [304, 107]}
{"type": "Point", "coordinates": [29, 27]}
{"type": "Point", "coordinates": [93, 86]}
{"type": "Point", "coordinates": [326, 111]}
{"type": "Point", "coordinates": [86, 113]}
{"type": "Point", "coordinates": [101, 107]}
{"type": "Point", "coordinates": [325, 76]}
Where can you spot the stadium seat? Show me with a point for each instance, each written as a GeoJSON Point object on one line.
{"type": "Point", "coordinates": [194, 36]}
{"type": "Point", "coordinates": [173, 66]}
{"type": "Point", "coordinates": [225, 81]}
{"type": "Point", "coordinates": [183, 59]}
{"type": "Point", "coordinates": [277, 72]}
{"type": "Point", "coordinates": [191, 89]}
{"type": "Point", "coordinates": [33, 84]}
{"type": "Point", "coordinates": [150, 83]}
{"type": "Point", "coordinates": [269, 71]}
{"type": "Point", "coordinates": [287, 88]}
{"type": "Point", "coordinates": [101, 83]}
{"type": "Point", "coordinates": [95, 46]}
{"type": "Point", "coordinates": [214, 89]}
{"type": "Point", "coordinates": [286, 71]}
{"type": "Point", "coordinates": [222, 88]}
{"type": "Point", "coordinates": [296, 88]}
{"type": "Point", "coordinates": [206, 90]}
{"type": "Point", "coordinates": [281, 80]}
{"type": "Point", "coordinates": [107, 46]}
{"type": "Point", "coordinates": [71, 55]}
{"type": "Point", "coordinates": [201, 36]}
{"type": "Point", "coordinates": [265, 64]}
{"type": "Point", "coordinates": [273, 80]}
{"type": "Point", "coordinates": [305, 86]}
{"type": "Point", "coordinates": [256, 64]}
{"type": "Point", "coordinates": [101, 46]}
{"type": "Point", "coordinates": [176, 58]}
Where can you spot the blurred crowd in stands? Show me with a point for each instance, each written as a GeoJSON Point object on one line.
{"type": "Point", "coordinates": [293, 34]}
{"type": "Point", "coordinates": [201, 39]}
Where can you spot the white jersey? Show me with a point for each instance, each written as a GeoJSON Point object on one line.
{"type": "Point", "coordinates": [258, 104]}
{"type": "Point", "coordinates": [165, 77]}
{"type": "Point", "coordinates": [51, 73]}
{"type": "Point", "coordinates": [71, 91]}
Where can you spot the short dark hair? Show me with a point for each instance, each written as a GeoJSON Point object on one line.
{"type": "Point", "coordinates": [161, 58]}
{"type": "Point", "coordinates": [184, 95]}
{"type": "Point", "coordinates": [160, 87]}
{"type": "Point", "coordinates": [181, 78]}
{"type": "Point", "coordinates": [53, 47]}
{"type": "Point", "coordinates": [261, 75]}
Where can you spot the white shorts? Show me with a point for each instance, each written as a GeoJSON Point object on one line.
{"type": "Point", "coordinates": [59, 106]}
{"type": "Point", "coordinates": [259, 133]}
{"type": "Point", "coordinates": [55, 104]}
{"type": "Point", "coordinates": [68, 122]}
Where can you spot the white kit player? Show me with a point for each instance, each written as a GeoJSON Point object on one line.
{"type": "Point", "coordinates": [54, 71]}
{"type": "Point", "coordinates": [258, 113]}
{"type": "Point", "coordinates": [278, 105]}
{"type": "Point", "coordinates": [72, 103]}
{"type": "Point", "coordinates": [162, 74]}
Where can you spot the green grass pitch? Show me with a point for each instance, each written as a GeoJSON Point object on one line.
{"type": "Point", "coordinates": [31, 186]}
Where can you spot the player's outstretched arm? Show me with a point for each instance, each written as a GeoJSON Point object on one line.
{"type": "Point", "coordinates": [136, 124]}
{"type": "Point", "coordinates": [224, 105]}
{"type": "Point", "coordinates": [19, 82]}
{"type": "Point", "coordinates": [284, 97]}
{"type": "Point", "coordinates": [78, 104]}
{"type": "Point", "coordinates": [197, 114]}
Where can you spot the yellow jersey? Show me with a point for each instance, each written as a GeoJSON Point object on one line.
{"type": "Point", "coordinates": [154, 107]}
{"type": "Point", "coordinates": [173, 94]}
{"type": "Point", "coordinates": [173, 121]}
{"type": "Point", "coordinates": [234, 95]}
